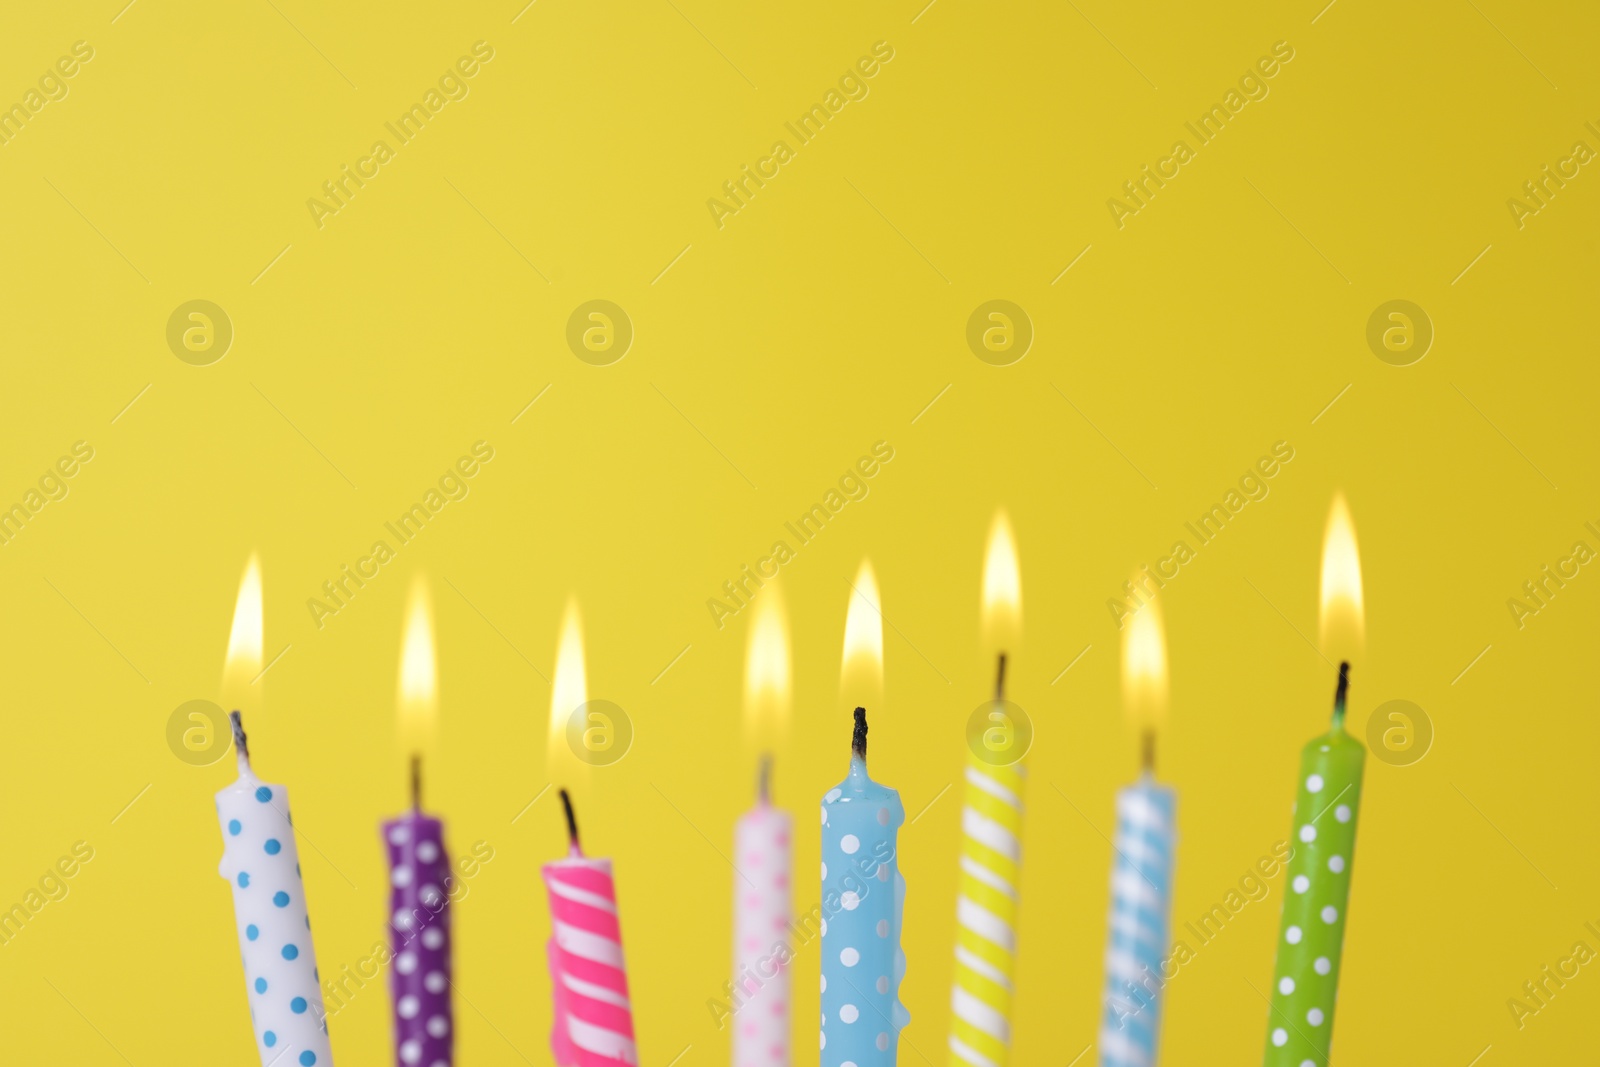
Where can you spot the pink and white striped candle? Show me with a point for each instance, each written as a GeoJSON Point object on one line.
{"type": "Point", "coordinates": [593, 1023]}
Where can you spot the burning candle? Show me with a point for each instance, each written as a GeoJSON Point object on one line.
{"type": "Point", "coordinates": [991, 841]}
{"type": "Point", "coordinates": [589, 980]}
{"type": "Point", "coordinates": [863, 892]}
{"type": "Point", "coordinates": [419, 869]}
{"type": "Point", "coordinates": [1327, 800]}
{"type": "Point", "coordinates": [593, 1018]}
{"type": "Point", "coordinates": [262, 864]}
{"type": "Point", "coordinates": [761, 888]}
{"type": "Point", "coordinates": [1141, 873]}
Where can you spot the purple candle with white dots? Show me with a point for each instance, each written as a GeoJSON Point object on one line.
{"type": "Point", "coordinates": [262, 865]}
{"type": "Point", "coordinates": [419, 936]}
{"type": "Point", "coordinates": [419, 868]}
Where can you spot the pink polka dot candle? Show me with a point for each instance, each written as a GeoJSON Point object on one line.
{"type": "Point", "coordinates": [756, 1002]}
{"type": "Point", "coordinates": [760, 1001]}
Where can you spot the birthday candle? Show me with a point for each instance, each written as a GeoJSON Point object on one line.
{"type": "Point", "coordinates": [419, 872]}
{"type": "Point", "coordinates": [863, 892]}
{"type": "Point", "coordinates": [419, 936]}
{"type": "Point", "coordinates": [1141, 873]}
{"type": "Point", "coordinates": [593, 1020]}
{"type": "Point", "coordinates": [1311, 933]}
{"type": "Point", "coordinates": [1305, 978]}
{"type": "Point", "coordinates": [759, 991]}
{"type": "Point", "coordinates": [1141, 903]}
{"type": "Point", "coordinates": [863, 901]}
{"type": "Point", "coordinates": [991, 841]}
{"type": "Point", "coordinates": [262, 864]}
{"type": "Point", "coordinates": [593, 1024]}
{"type": "Point", "coordinates": [761, 935]}
{"type": "Point", "coordinates": [986, 915]}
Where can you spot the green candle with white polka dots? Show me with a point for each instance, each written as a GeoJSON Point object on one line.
{"type": "Point", "coordinates": [1305, 979]}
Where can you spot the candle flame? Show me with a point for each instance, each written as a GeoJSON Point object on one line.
{"type": "Point", "coordinates": [1144, 668]}
{"type": "Point", "coordinates": [861, 675]}
{"type": "Point", "coordinates": [1343, 615]}
{"type": "Point", "coordinates": [1002, 585]}
{"type": "Point", "coordinates": [419, 681]}
{"type": "Point", "coordinates": [243, 664]}
{"type": "Point", "coordinates": [569, 689]}
{"type": "Point", "coordinates": [766, 670]}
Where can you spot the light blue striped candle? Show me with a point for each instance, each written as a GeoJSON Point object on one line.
{"type": "Point", "coordinates": [1141, 907]}
{"type": "Point", "coordinates": [863, 899]}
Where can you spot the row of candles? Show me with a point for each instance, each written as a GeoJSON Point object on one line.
{"type": "Point", "coordinates": [862, 890]}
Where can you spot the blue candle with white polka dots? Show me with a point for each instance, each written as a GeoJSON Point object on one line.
{"type": "Point", "coordinates": [261, 863]}
{"type": "Point", "coordinates": [863, 899]}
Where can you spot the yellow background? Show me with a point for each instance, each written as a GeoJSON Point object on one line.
{"type": "Point", "coordinates": [823, 317]}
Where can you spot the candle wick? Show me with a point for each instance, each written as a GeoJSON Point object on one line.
{"type": "Point", "coordinates": [1341, 693]}
{"type": "Point", "coordinates": [240, 743]}
{"type": "Point", "coordinates": [1148, 753]}
{"type": "Point", "coordinates": [572, 820]}
{"type": "Point", "coordinates": [764, 786]}
{"type": "Point", "coordinates": [1000, 679]}
{"type": "Point", "coordinates": [416, 782]}
{"type": "Point", "coordinates": [858, 740]}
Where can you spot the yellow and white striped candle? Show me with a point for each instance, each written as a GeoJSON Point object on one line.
{"type": "Point", "coordinates": [986, 915]}
{"type": "Point", "coordinates": [998, 737]}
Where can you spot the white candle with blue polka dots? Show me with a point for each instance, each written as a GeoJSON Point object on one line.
{"type": "Point", "coordinates": [1305, 980]}
{"type": "Point", "coordinates": [262, 864]}
{"type": "Point", "coordinates": [863, 900]}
